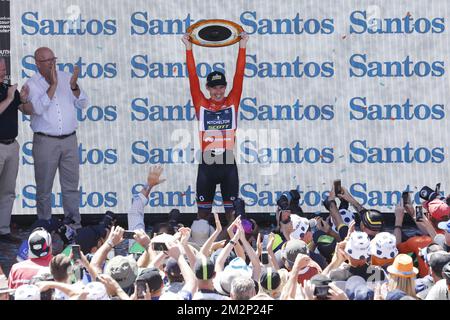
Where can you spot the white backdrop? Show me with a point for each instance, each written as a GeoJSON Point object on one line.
{"type": "Point", "coordinates": [319, 75]}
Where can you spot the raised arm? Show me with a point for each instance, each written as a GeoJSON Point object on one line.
{"type": "Point", "coordinates": [144, 240]}
{"type": "Point", "coordinates": [220, 262]}
{"type": "Point", "coordinates": [65, 288]}
{"type": "Point", "coordinates": [185, 235]}
{"type": "Point", "coordinates": [190, 281]}
{"type": "Point", "coordinates": [237, 248]}
{"type": "Point", "coordinates": [399, 215]}
{"type": "Point", "coordinates": [196, 92]}
{"type": "Point", "coordinates": [349, 198]}
{"type": "Point", "coordinates": [238, 79]}
{"type": "Point", "coordinates": [206, 248]}
{"type": "Point", "coordinates": [272, 259]}
{"type": "Point", "coordinates": [423, 225]}
{"type": "Point", "coordinates": [290, 288]}
{"type": "Point", "coordinates": [136, 214]}
{"type": "Point", "coordinates": [115, 237]}
{"type": "Point", "coordinates": [256, 270]}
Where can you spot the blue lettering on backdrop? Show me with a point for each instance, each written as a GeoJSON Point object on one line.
{"type": "Point", "coordinates": [92, 70]}
{"type": "Point", "coordinates": [361, 66]}
{"type": "Point", "coordinates": [91, 113]}
{"type": "Point", "coordinates": [250, 111]}
{"type": "Point", "coordinates": [143, 67]}
{"type": "Point", "coordinates": [142, 111]}
{"type": "Point", "coordinates": [287, 69]}
{"type": "Point", "coordinates": [295, 25]}
{"type": "Point", "coordinates": [93, 199]}
{"type": "Point", "coordinates": [32, 25]}
{"type": "Point", "coordinates": [248, 153]}
{"type": "Point", "coordinates": [360, 110]}
{"type": "Point", "coordinates": [93, 156]}
{"type": "Point", "coordinates": [143, 24]}
{"type": "Point", "coordinates": [360, 152]}
{"type": "Point", "coordinates": [360, 24]}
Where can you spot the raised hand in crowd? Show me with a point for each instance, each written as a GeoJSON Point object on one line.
{"type": "Point", "coordinates": [230, 230]}
{"type": "Point", "coordinates": [345, 195]}
{"type": "Point", "coordinates": [153, 179]}
{"type": "Point", "coordinates": [114, 238]}
{"type": "Point", "coordinates": [147, 293]}
{"type": "Point", "coordinates": [206, 248]}
{"type": "Point", "coordinates": [220, 262]}
{"type": "Point", "coordinates": [259, 247]}
{"type": "Point", "coordinates": [254, 259]}
{"type": "Point", "coordinates": [335, 293]}
{"type": "Point", "coordinates": [144, 240]}
{"type": "Point", "coordinates": [185, 234]}
{"type": "Point", "coordinates": [269, 248]}
{"type": "Point", "coordinates": [290, 288]}
{"type": "Point", "coordinates": [112, 287]}
{"type": "Point", "coordinates": [338, 258]}
{"type": "Point", "coordinates": [154, 176]}
{"type": "Point", "coordinates": [190, 281]}
{"type": "Point", "coordinates": [399, 215]}
{"type": "Point", "coordinates": [85, 263]}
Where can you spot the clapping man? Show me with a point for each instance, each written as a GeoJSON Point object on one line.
{"type": "Point", "coordinates": [54, 96]}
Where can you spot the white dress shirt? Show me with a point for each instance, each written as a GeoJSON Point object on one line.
{"type": "Point", "coordinates": [136, 215]}
{"type": "Point", "coordinates": [57, 116]}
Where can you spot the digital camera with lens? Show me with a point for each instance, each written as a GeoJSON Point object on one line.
{"type": "Point", "coordinates": [428, 194]}
{"type": "Point", "coordinates": [290, 201]}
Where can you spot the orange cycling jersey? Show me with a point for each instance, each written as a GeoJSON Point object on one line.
{"type": "Point", "coordinates": [217, 119]}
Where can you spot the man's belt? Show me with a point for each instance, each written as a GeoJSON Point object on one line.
{"type": "Point", "coordinates": [57, 137]}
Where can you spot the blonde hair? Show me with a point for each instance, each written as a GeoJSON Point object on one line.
{"type": "Point", "coordinates": [407, 285]}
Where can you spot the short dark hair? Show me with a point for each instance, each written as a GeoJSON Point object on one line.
{"type": "Point", "coordinates": [59, 266]}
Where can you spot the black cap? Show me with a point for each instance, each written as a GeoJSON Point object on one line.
{"type": "Point", "coordinates": [270, 279]}
{"type": "Point", "coordinates": [88, 237]}
{"type": "Point", "coordinates": [216, 78]}
{"type": "Point", "coordinates": [372, 220]}
{"type": "Point", "coordinates": [152, 277]}
{"type": "Point", "coordinates": [172, 267]}
{"type": "Point", "coordinates": [204, 269]}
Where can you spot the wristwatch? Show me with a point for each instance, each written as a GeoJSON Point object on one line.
{"type": "Point", "coordinates": [110, 243]}
{"type": "Point", "coordinates": [232, 242]}
{"type": "Point", "coordinates": [75, 89]}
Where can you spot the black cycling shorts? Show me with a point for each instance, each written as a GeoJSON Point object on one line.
{"type": "Point", "coordinates": [210, 175]}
